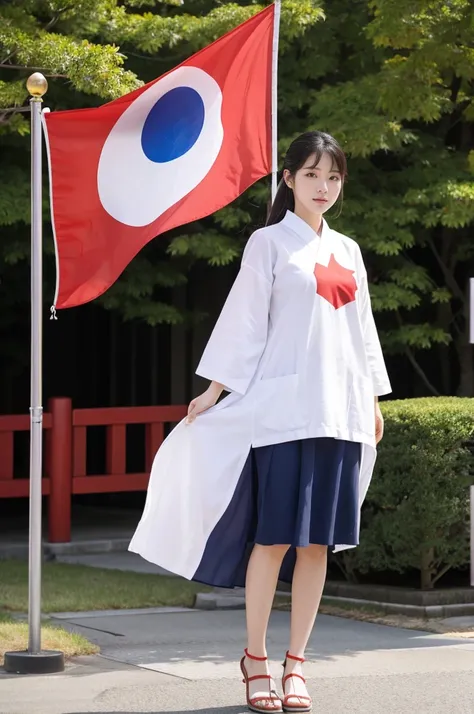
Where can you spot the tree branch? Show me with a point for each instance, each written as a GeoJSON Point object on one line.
{"type": "Point", "coordinates": [57, 16]}
{"type": "Point", "coordinates": [51, 23]}
{"type": "Point", "coordinates": [448, 276]}
{"type": "Point", "coordinates": [420, 372]}
{"type": "Point", "coordinates": [34, 69]}
{"type": "Point", "coordinates": [455, 318]}
{"type": "Point", "coordinates": [416, 366]}
{"type": "Point", "coordinates": [442, 572]}
{"type": "Point", "coordinates": [175, 59]}
{"type": "Point", "coordinates": [12, 54]}
{"type": "Point", "coordinates": [4, 110]}
{"type": "Point", "coordinates": [455, 87]}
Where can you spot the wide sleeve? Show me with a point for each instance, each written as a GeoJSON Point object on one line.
{"type": "Point", "coordinates": [239, 337]}
{"type": "Point", "coordinates": [373, 349]}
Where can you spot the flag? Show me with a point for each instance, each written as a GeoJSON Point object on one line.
{"type": "Point", "coordinates": [171, 152]}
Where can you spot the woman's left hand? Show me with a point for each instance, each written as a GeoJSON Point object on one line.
{"type": "Point", "coordinates": [379, 423]}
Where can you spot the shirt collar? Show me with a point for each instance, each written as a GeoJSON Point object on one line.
{"type": "Point", "coordinates": [301, 228]}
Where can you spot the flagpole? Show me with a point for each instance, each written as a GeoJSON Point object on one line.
{"type": "Point", "coordinates": [35, 660]}
{"type": "Point", "coordinates": [276, 42]}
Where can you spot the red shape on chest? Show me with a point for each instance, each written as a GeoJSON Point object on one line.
{"type": "Point", "coordinates": [335, 284]}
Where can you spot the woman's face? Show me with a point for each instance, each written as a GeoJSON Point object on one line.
{"type": "Point", "coordinates": [315, 189]}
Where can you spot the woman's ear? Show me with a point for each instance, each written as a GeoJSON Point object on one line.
{"type": "Point", "coordinates": [287, 178]}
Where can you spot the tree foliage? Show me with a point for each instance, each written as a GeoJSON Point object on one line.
{"type": "Point", "coordinates": [391, 79]}
{"type": "Point", "coordinates": [403, 111]}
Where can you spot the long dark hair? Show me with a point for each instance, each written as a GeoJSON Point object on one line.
{"type": "Point", "coordinates": [308, 144]}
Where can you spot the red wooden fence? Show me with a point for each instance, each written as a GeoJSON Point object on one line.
{"type": "Point", "coordinates": [65, 471]}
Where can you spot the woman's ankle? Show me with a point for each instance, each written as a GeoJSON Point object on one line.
{"type": "Point", "coordinates": [256, 653]}
{"type": "Point", "coordinates": [293, 664]}
{"type": "Point", "coordinates": [295, 655]}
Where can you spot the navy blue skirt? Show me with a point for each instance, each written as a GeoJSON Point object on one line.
{"type": "Point", "coordinates": [296, 493]}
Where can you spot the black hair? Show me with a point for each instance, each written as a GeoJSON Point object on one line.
{"type": "Point", "coordinates": [308, 144]}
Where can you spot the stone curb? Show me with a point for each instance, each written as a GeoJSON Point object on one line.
{"type": "Point", "coordinates": [213, 601]}
{"type": "Point", "coordinates": [230, 600]}
{"type": "Point", "coordinates": [89, 614]}
{"type": "Point", "coordinates": [217, 601]}
{"type": "Point", "coordinates": [88, 547]}
{"type": "Point", "coordinates": [400, 595]}
{"type": "Point", "coordinates": [391, 608]}
{"type": "Point", "coordinates": [19, 551]}
{"type": "Point", "coordinates": [114, 613]}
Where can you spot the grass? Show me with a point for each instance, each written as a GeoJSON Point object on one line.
{"type": "Point", "coordinates": [14, 637]}
{"type": "Point", "coordinates": [71, 588]}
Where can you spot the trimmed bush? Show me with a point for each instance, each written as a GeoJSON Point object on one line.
{"type": "Point", "coordinates": [416, 515]}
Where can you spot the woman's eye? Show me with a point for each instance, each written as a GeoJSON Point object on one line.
{"type": "Point", "coordinates": [335, 178]}
{"type": "Point", "coordinates": [311, 174]}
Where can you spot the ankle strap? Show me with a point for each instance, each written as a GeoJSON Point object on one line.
{"type": "Point", "coordinates": [297, 659]}
{"type": "Point", "coordinates": [257, 659]}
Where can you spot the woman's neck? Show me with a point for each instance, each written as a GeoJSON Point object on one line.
{"type": "Point", "coordinates": [314, 220]}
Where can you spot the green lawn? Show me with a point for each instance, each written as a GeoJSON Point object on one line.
{"type": "Point", "coordinates": [70, 588]}
{"type": "Point", "coordinates": [14, 637]}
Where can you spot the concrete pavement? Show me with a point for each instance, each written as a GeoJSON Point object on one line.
{"type": "Point", "coordinates": [175, 662]}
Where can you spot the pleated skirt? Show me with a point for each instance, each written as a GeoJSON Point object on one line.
{"type": "Point", "coordinates": [296, 493]}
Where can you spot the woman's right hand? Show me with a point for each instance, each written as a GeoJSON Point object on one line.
{"type": "Point", "coordinates": [205, 401]}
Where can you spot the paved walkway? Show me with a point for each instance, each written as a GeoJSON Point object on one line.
{"type": "Point", "coordinates": [187, 661]}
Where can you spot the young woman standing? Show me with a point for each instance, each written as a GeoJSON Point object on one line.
{"type": "Point", "coordinates": [256, 487]}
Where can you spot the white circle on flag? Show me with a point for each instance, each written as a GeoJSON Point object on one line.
{"type": "Point", "coordinates": [161, 147]}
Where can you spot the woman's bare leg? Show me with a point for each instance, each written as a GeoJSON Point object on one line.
{"type": "Point", "coordinates": [262, 577]}
{"type": "Point", "coordinates": [308, 583]}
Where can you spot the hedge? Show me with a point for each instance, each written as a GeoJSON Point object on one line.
{"type": "Point", "coordinates": [416, 514]}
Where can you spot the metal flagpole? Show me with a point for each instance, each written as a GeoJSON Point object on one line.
{"type": "Point", "coordinates": [35, 660]}
{"type": "Point", "coordinates": [276, 42]}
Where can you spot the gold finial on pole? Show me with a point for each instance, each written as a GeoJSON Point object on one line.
{"type": "Point", "coordinates": [37, 85]}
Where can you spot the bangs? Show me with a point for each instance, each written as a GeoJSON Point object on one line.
{"type": "Point", "coordinates": [318, 154]}
{"type": "Point", "coordinates": [339, 163]}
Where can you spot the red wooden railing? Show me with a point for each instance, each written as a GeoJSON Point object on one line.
{"type": "Point", "coordinates": [66, 455]}
{"type": "Point", "coordinates": [11, 487]}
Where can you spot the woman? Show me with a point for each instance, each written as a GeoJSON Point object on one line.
{"type": "Point", "coordinates": [256, 487]}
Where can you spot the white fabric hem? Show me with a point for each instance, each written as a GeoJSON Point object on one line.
{"type": "Point", "coordinates": [332, 432]}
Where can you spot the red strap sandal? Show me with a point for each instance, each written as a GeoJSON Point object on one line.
{"type": "Point", "coordinates": [305, 704]}
{"type": "Point", "coordinates": [272, 703]}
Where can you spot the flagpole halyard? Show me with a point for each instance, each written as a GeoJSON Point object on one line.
{"type": "Point", "coordinates": [44, 125]}
{"type": "Point", "coordinates": [34, 660]}
{"type": "Point", "coordinates": [276, 43]}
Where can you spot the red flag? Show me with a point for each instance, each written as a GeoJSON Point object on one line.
{"type": "Point", "coordinates": [171, 152]}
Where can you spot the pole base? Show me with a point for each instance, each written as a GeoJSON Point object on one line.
{"type": "Point", "coordinates": [45, 662]}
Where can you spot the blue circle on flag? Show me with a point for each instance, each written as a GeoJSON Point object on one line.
{"type": "Point", "coordinates": [173, 125]}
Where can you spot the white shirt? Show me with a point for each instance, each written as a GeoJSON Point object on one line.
{"type": "Point", "coordinates": [297, 337]}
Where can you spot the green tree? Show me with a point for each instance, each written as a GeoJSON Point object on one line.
{"type": "Point", "coordinates": [401, 103]}
{"type": "Point", "coordinates": [392, 79]}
